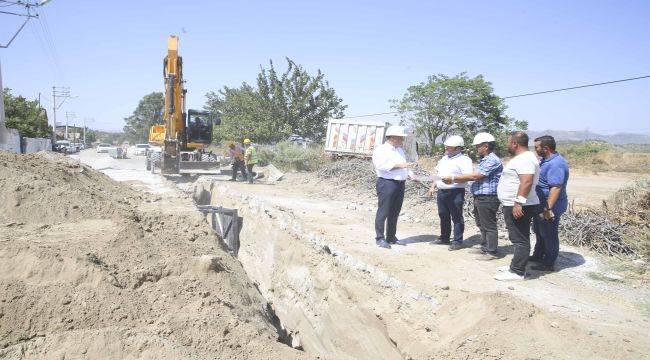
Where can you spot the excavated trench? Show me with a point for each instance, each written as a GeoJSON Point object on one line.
{"type": "Point", "coordinates": [334, 306]}
{"type": "Point", "coordinates": [326, 302]}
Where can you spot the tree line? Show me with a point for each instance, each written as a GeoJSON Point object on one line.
{"type": "Point", "coordinates": [294, 101]}
{"type": "Point", "coordinates": [26, 116]}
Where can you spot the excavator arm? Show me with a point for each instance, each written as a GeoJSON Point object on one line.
{"type": "Point", "coordinates": [183, 136]}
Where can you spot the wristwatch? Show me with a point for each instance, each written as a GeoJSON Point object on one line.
{"type": "Point", "coordinates": [520, 199]}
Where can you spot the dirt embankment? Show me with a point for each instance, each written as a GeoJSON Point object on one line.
{"type": "Point", "coordinates": [92, 269]}
{"type": "Point", "coordinates": [345, 299]}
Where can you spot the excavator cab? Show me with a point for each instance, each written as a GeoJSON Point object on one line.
{"type": "Point", "coordinates": [199, 128]}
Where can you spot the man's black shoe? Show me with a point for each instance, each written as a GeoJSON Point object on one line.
{"type": "Point", "coordinates": [440, 242]}
{"type": "Point", "coordinates": [383, 244]}
{"type": "Point", "coordinates": [543, 267]}
{"type": "Point", "coordinates": [454, 247]}
{"type": "Point", "coordinates": [396, 241]}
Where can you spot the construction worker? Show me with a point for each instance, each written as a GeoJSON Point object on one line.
{"type": "Point", "coordinates": [451, 197]}
{"type": "Point", "coordinates": [553, 202]}
{"type": "Point", "coordinates": [516, 191]}
{"type": "Point", "coordinates": [484, 191]}
{"type": "Point", "coordinates": [238, 163]}
{"type": "Point", "coordinates": [392, 171]}
{"type": "Point", "coordinates": [250, 158]}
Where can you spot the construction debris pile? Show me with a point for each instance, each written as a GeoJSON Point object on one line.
{"type": "Point", "coordinates": [619, 228]}
{"type": "Point", "coordinates": [91, 269]}
{"type": "Point", "coordinates": [359, 174]}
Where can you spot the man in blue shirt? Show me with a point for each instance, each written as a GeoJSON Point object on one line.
{"type": "Point", "coordinates": [484, 189]}
{"type": "Point", "coordinates": [553, 202]}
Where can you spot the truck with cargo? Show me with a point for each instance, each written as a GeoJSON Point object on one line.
{"type": "Point", "coordinates": [359, 137]}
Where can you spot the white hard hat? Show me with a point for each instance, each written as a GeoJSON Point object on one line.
{"type": "Point", "coordinates": [395, 131]}
{"type": "Point", "coordinates": [454, 141]}
{"type": "Point", "coordinates": [482, 137]}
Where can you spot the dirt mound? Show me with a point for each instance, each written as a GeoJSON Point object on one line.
{"type": "Point", "coordinates": [358, 174]}
{"type": "Point", "coordinates": [47, 188]}
{"type": "Point", "coordinates": [88, 270]}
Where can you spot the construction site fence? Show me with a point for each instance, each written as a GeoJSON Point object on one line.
{"type": "Point", "coordinates": [11, 141]}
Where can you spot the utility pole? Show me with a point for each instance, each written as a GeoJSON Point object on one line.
{"type": "Point", "coordinates": [68, 115]}
{"type": "Point", "coordinates": [61, 93]}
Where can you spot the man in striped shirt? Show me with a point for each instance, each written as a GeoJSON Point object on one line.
{"type": "Point", "coordinates": [484, 189]}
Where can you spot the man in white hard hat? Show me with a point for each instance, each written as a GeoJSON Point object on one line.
{"type": "Point", "coordinates": [484, 190]}
{"type": "Point", "coordinates": [451, 196]}
{"type": "Point", "coordinates": [392, 171]}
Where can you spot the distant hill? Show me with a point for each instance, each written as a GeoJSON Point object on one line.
{"type": "Point", "coordinates": [617, 139]}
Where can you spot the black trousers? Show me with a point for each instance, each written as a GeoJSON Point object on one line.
{"type": "Point", "coordinates": [390, 194]}
{"type": "Point", "coordinates": [485, 214]}
{"type": "Point", "coordinates": [519, 234]}
{"type": "Point", "coordinates": [238, 166]}
{"type": "Point", "coordinates": [450, 209]}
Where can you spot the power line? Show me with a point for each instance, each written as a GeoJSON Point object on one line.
{"type": "Point", "coordinates": [367, 115]}
{"type": "Point", "coordinates": [521, 95]}
{"type": "Point", "coordinates": [578, 87]}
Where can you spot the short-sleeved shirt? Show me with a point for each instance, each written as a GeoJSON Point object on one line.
{"type": "Point", "coordinates": [459, 164]}
{"type": "Point", "coordinates": [237, 153]}
{"type": "Point", "coordinates": [491, 167]}
{"type": "Point", "coordinates": [525, 163]}
{"type": "Point", "coordinates": [384, 159]}
{"type": "Point", "coordinates": [553, 171]}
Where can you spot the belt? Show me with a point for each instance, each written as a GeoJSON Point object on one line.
{"type": "Point", "coordinates": [484, 195]}
{"type": "Point", "coordinates": [393, 180]}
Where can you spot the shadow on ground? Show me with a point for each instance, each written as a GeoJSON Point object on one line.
{"type": "Point", "coordinates": [565, 260]}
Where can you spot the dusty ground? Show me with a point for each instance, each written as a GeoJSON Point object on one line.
{"type": "Point", "coordinates": [591, 189]}
{"type": "Point", "coordinates": [426, 302]}
{"type": "Point", "coordinates": [90, 268]}
{"type": "Point", "coordinates": [307, 246]}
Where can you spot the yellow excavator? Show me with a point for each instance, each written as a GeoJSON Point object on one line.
{"type": "Point", "coordinates": [179, 145]}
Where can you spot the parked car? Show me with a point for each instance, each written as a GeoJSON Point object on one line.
{"type": "Point", "coordinates": [140, 149]}
{"type": "Point", "coordinates": [299, 140]}
{"type": "Point", "coordinates": [65, 147]}
{"type": "Point", "coordinates": [103, 148]}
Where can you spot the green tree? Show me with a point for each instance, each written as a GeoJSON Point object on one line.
{"type": "Point", "coordinates": [148, 112]}
{"type": "Point", "coordinates": [458, 105]}
{"type": "Point", "coordinates": [25, 115]}
{"type": "Point", "coordinates": [293, 102]}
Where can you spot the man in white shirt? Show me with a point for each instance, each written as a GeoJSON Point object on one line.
{"type": "Point", "coordinates": [451, 197]}
{"type": "Point", "coordinates": [516, 191]}
{"type": "Point", "coordinates": [392, 171]}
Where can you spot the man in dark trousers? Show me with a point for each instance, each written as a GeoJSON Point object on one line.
{"type": "Point", "coordinates": [484, 189]}
{"type": "Point", "coordinates": [238, 164]}
{"type": "Point", "coordinates": [451, 195]}
{"type": "Point", "coordinates": [516, 191]}
{"type": "Point", "coordinates": [553, 202]}
{"type": "Point", "coordinates": [392, 171]}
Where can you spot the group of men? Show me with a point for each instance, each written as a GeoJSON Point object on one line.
{"type": "Point", "coordinates": [243, 160]}
{"type": "Point", "coordinates": [527, 189]}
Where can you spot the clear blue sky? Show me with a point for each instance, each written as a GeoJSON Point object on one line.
{"type": "Point", "coordinates": [110, 52]}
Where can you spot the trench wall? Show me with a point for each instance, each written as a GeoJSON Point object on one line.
{"type": "Point", "coordinates": [330, 304]}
